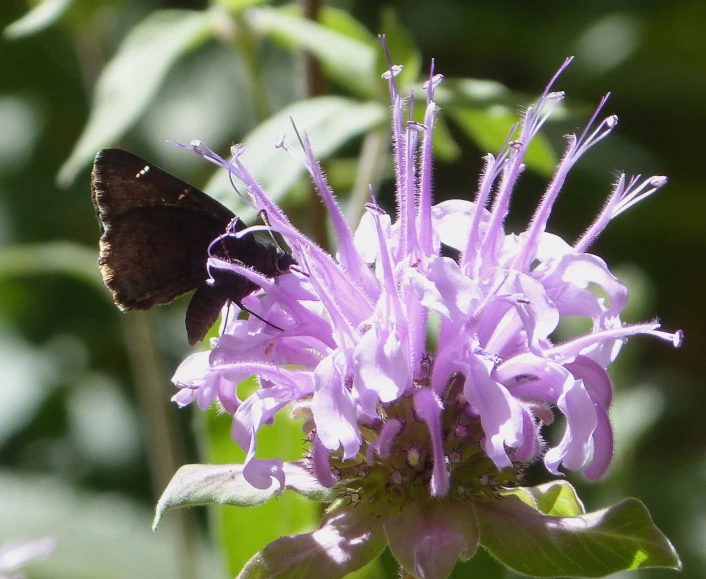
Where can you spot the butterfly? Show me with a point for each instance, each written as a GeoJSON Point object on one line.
{"type": "Point", "coordinates": [156, 234]}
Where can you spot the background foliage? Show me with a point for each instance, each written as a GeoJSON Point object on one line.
{"type": "Point", "coordinates": [87, 435]}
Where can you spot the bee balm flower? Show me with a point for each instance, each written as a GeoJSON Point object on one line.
{"type": "Point", "coordinates": [411, 432]}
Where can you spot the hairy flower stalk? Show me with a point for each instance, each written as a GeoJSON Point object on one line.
{"type": "Point", "coordinates": [410, 428]}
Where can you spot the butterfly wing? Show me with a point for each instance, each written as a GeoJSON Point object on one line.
{"type": "Point", "coordinates": [156, 230]}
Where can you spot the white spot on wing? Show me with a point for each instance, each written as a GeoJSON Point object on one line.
{"type": "Point", "coordinates": [143, 172]}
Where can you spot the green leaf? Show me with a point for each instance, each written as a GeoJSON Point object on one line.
{"type": "Point", "coordinates": [130, 81]}
{"type": "Point", "coordinates": [329, 121]}
{"type": "Point", "coordinates": [342, 22]}
{"type": "Point", "coordinates": [557, 498]}
{"type": "Point", "coordinates": [489, 128]}
{"type": "Point", "coordinates": [343, 57]}
{"type": "Point", "coordinates": [42, 16]}
{"type": "Point", "coordinates": [52, 258]}
{"type": "Point", "coordinates": [346, 541]}
{"type": "Point", "coordinates": [477, 93]}
{"type": "Point", "coordinates": [207, 484]}
{"type": "Point", "coordinates": [594, 544]}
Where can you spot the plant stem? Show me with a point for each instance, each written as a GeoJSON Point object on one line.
{"type": "Point", "coordinates": [163, 448]}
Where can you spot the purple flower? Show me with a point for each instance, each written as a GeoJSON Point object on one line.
{"type": "Point", "coordinates": [425, 381]}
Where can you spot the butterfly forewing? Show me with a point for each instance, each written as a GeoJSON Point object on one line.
{"type": "Point", "coordinates": [156, 230]}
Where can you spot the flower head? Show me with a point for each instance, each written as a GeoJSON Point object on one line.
{"type": "Point", "coordinates": [426, 381]}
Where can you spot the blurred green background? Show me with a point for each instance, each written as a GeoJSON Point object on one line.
{"type": "Point", "coordinates": [88, 437]}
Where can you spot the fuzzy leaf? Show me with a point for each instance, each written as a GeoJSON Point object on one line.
{"type": "Point", "coordinates": [344, 57]}
{"type": "Point", "coordinates": [204, 484]}
{"type": "Point", "coordinates": [557, 498]}
{"type": "Point", "coordinates": [594, 544]}
{"type": "Point", "coordinates": [345, 542]}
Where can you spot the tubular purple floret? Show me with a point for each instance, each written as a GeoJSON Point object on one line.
{"type": "Point", "coordinates": [322, 467]}
{"type": "Point", "coordinates": [339, 321]}
{"type": "Point", "coordinates": [274, 214]}
{"type": "Point", "coordinates": [601, 132]}
{"type": "Point", "coordinates": [350, 258]}
{"type": "Point", "coordinates": [511, 170]}
{"type": "Point", "coordinates": [540, 218]}
{"type": "Point", "coordinates": [634, 195]}
{"type": "Point", "coordinates": [428, 85]}
{"type": "Point", "coordinates": [385, 258]}
{"type": "Point", "coordinates": [425, 179]}
{"type": "Point", "coordinates": [574, 347]}
{"type": "Point", "coordinates": [621, 199]}
{"type": "Point", "coordinates": [384, 443]}
{"type": "Point", "coordinates": [240, 269]}
{"type": "Point", "coordinates": [603, 218]}
{"type": "Point", "coordinates": [399, 147]}
{"type": "Point", "coordinates": [594, 116]}
{"type": "Point", "coordinates": [410, 241]}
{"type": "Point", "coordinates": [541, 112]}
{"type": "Point", "coordinates": [575, 149]}
{"type": "Point", "coordinates": [472, 254]}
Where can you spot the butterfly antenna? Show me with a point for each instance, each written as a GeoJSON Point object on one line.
{"type": "Point", "coordinates": [242, 307]}
{"type": "Point", "coordinates": [299, 270]}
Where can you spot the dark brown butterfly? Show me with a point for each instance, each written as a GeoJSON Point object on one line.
{"type": "Point", "coordinates": [156, 233]}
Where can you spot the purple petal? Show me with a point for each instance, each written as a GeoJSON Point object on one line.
{"type": "Point", "coordinates": [381, 366]}
{"type": "Point", "coordinates": [595, 379]}
{"type": "Point", "coordinates": [500, 412]}
{"type": "Point", "coordinates": [334, 408]}
{"type": "Point", "coordinates": [603, 446]}
{"type": "Point", "coordinates": [452, 222]}
{"type": "Point", "coordinates": [322, 467]}
{"type": "Point", "coordinates": [581, 420]}
{"type": "Point", "coordinates": [444, 289]}
{"type": "Point", "coordinates": [568, 279]}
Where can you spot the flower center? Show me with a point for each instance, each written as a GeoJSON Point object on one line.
{"type": "Point", "coordinates": [398, 468]}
